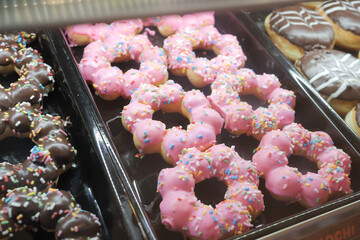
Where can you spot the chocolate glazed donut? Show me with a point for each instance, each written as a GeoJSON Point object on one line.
{"type": "Point", "coordinates": [344, 16]}
{"type": "Point", "coordinates": [54, 210]}
{"type": "Point", "coordinates": [52, 155]}
{"type": "Point", "coordinates": [35, 77]}
{"type": "Point", "coordinates": [17, 39]}
{"type": "Point", "coordinates": [335, 74]}
{"type": "Point", "coordinates": [296, 30]}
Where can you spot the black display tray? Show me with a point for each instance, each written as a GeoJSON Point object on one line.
{"type": "Point", "coordinates": [92, 175]}
{"type": "Point", "coordinates": [143, 173]}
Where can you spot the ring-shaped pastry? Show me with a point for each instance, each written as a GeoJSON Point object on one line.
{"type": "Point", "coordinates": [151, 136]}
{"type": "Point", "coordinates": [108, 81]}
{"type": "Point", "coordinates": [35, 77]}
{"type": "Point", "coordinates": [287, 183]}
{"type": "Point", "coordinates": [52, 155]}
{"type": "Point", "coordinates": [239, 116]}
{"type": "Point", "coordinates": [202, 71]}
{"type": "Point", "coordinates": [181, 210]}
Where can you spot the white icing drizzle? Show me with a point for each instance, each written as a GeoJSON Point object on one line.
{"type": "Point", "coordinates": [341, 73]}
{"type": "Point", "coordinates": [330, 7]}
{"type": "Point", "coordinates": [304, 17]}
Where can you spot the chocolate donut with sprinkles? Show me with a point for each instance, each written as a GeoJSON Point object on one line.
{"type": "Point", "coordinates": [287, 183]}
{"type": "Point", "coordinates": [53, 210]}
{"type": "Point", "coordinates": [151, 136]}
{"type": "Point", "coordinates": [181, 211]}
{"type": "Point", "coordinates": [35, 77]}
{"type": "Point", "coordinates": [17, 39]}
{"type": "Point", "coordinates": [52, 155]}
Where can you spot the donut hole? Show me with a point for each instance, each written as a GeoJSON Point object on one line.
{"type": "Point", "coordinates": [303, 164]}
{"type": "Point", "coordinates": [210, 191]}
{"type": "Point", "coordinates": [253, 101]}
{"type": "Point", "coordinates": [124, 66]}
{"type": "Point", "coordinates": [8, 79]}
{"type": "Point", "coordinates": [204, 53]}
{"type": "Point", "coordinates": [171, 119]}
{"type": "Point", "coordinates": [15, 150]}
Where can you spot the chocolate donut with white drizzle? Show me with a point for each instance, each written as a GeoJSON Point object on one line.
{"type": "Point", "coordinates": [335, 74]}
{"type": "Point", "coordinates": [295, 30]}
{"type": "Point", "coordinates": [54, 210]}
{"type": "Point", "coordinates": [344, 16]}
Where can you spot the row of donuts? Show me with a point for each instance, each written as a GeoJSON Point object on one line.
{"type": "Point", "coordinates": [28, 198]}
{"type": "Point", "coordinates": [193, 151]}
{"type": "Point", "coordinates": [83, 34]}
{"type": "Point", "coordinates": [307, 33]}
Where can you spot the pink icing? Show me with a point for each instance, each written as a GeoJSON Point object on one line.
{"type": "Point", "coordinates": [149, 133]}
{"type": "Point", "coordinates": [315, 190]}
{"type": "Point", "coordinates": [239, 116]}
{"type": "Point", "coordinates": [205, 123]}
{"type": "Point", "coordinates": [182, 211]}
{"type": "Point", "coordinates": [287, 183]}
{"type": "Point", "coordinates": [100, 31]}
{"type": "Point", "coordinates": [168, 25]}
{"type": "Point", "coordinates": [118, 47]}
{"type": "Point", "coordinates": [182, 59]}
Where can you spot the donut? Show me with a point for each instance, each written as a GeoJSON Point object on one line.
{"type": "Point", "coordinates": [335, 75]}
{"type": "Point", "coordinates": [110, 82]}
{"type": "Point", "coordinates": [36, 78]}
{"type": "Point", "coordinates": [344, 16]}
{"type": "Point", "coordinates": [17, 39]}
{"type": "Point", "coordinates": [202, 71]}
{"type": "Point", "coordinates": [287, 183]}
{"type": "Point", "coordinates": [83, 34]}
{"type": "Point", "coordinates": [151, 136]}
{"type": "Point", "coordinates": [239, 116]}
{"type": "Point", "coordinates": [310, 5]}
{"type": "Point", "coordinates": [296, 30]}
{"type": "Point", "coordinates": [181, 211]}
{"type": "Point", "coordinates": [352, 119]}
{"type": "Point", "coordinates": [51, 156]}
{"type": "Point", "coordinates": [55, 211]}
{"type": "Point", "coordinates": [168, 25]}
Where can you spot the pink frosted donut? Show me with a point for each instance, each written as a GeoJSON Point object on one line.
{"type": "Point", "coordinates": [202, 71]}
{"type": "Point", "coordinates": [287, 183]}
{"type": "Point", "coordinates": [168, 25]}
{"type": "Point", "coordinates": [239, 116]}
{"type": "Point", "coordinates": [83, 34]}
{"type": "Point", "coordinates": [181, 211]}
{"type": "Point", "coordinates": [110, 82]}
{"type": "Point", "coordinates": [151, 136]}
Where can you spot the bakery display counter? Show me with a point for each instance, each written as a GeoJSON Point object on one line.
{"type": "Point", "coordinates": [138, 176]}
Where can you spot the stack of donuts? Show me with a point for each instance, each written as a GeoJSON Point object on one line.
{"type": "Point", "coordinates": [194, 152]}
{"type": "Point", "coordinates": [308, 33]}
{"type": "Point", "coordinates": [28, 198]}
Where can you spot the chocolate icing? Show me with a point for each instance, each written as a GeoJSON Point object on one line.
{"type": "Point", "coordinates": [35, 80]}
{"type": "Point", "coordinates": [302, 27]}
{"type": "Point", "coordinates": [344, 13]}
{"type": "Point", "coordinates": [47, 160]}
{"type": "Point", "coordinates": [17, 38]}
{"type": "Point", "coordinates": [357, 114]}
{"type": "Point", "coordinates": [333, 73]}
{"type": "Point", "coordinates": [54, 210]}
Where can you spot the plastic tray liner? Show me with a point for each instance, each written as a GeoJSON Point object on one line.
{"type": "Point", "coordinates": [143, 172]}
{"type": "Point", "coordinates": [88, 179]}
